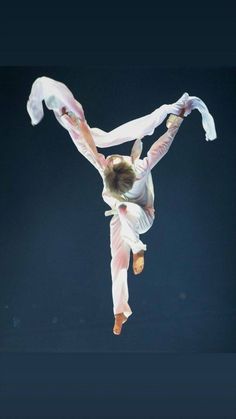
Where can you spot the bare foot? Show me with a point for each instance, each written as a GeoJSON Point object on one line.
{"type": "Point", "coordinates": [120, 319]}
{"type": "Point", "coordinates": [138, 262]}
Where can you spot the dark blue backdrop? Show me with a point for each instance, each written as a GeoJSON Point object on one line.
{"type": "Point", "coordinates": [55, 273]}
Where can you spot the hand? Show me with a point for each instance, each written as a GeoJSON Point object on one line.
{"type": "Point", "coordinates": [70, 117]}
{"type": "Point", "coordinates": [64, 111]}
{"type": "Point", "coordinates": [182, 113]}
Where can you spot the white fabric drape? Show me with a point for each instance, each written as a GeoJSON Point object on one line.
{"type": "Point", "coordinates": [56, 96]}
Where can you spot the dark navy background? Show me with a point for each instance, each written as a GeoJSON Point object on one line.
{"type": "Point", "coordinates": [166, 36]}
{"type": "Point", "coordinates": [55, 271]}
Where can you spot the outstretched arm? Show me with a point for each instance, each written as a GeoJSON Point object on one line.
{"type": "Point", "coordinates": [84, 129]}
{"type": "Point", "coordinates": [83, 140]}
{"type": "Point", "coordinates": [162, 145]}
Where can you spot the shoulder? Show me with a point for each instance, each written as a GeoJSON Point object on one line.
{"type": "Point", "coordinates": [141, 167]}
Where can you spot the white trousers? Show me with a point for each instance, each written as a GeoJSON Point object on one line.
{"type": "Point", "coordinates": [125, 228]}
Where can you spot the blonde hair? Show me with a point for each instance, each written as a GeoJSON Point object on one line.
{"type": "Point", "coordinates": [119, 178]}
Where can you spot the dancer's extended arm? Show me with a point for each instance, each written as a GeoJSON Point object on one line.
{"type": "Point", "coordinates": [83, 140]}
{"type": "Point", "coordinates": [162, 145]}
{"type": "Point", "coordinates": [56, 95]}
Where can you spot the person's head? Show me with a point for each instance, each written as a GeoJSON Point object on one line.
{"type": "Point", "coordinates": [119, 175]}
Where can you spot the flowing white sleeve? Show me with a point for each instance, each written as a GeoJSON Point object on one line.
{"type": "Point", "coordinates": [56, 95]}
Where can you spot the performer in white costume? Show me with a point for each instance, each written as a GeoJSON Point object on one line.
{"type": "Point", "coordinates": [127, 180]}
